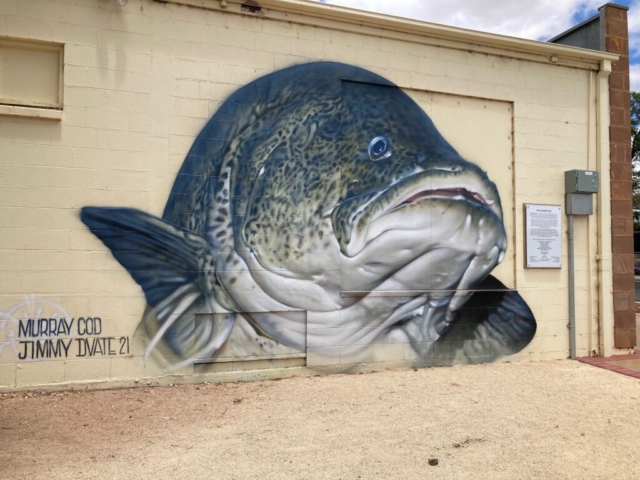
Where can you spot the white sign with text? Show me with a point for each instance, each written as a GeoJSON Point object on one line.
{"type": "Point", "coordinates": [543, 224]}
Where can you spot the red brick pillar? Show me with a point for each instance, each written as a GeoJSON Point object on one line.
{"type": "Point", "coordinates": [616, 40]}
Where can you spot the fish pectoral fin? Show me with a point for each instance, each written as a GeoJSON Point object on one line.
{"type": "Point", "coordinates": [494, 322]}
{"type": "Point", "coordinates": [166, 261]}
{"type": "Point", "coordinates": [160, 257]}
{"type": "Point", "coordinates": [189, 336]}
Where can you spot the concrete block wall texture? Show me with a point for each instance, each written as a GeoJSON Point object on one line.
{"type": "Point", "coordinates": [140, 85]}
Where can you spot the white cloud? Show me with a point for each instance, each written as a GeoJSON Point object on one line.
{"type": "Point", "coordinates": [541, 19]}
{"type": "Point", "coordinates": [634, 27]}
{"type": "Point", "coordinates": [634, 72]}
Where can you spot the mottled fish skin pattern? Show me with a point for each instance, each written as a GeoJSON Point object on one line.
{"type": "Point", "coordinates": [294, 211]}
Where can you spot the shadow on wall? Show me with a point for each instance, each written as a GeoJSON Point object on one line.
{"type": "Point", "coordinates": [321, 207]}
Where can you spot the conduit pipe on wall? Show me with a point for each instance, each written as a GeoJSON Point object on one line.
{"type": "Point", "coordinates": [580, 185]}
{"type": "Point", "coordinates": [572, 291]}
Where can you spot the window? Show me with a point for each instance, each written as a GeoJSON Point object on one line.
{"type": "Point", "coordinates": [31, 74]}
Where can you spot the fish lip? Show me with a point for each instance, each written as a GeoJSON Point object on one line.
{"type": "Point", "coordinates": [450, 193]}
{"type": "Point", "coordinates": [470, 186]}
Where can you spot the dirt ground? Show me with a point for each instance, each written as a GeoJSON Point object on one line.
{"type": "Point", "coordinates": [546, 420]}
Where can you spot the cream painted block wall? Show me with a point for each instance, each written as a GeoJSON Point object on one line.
{"type": "Point", "coordinates": [139, 84]}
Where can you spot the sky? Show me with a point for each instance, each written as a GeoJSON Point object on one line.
{"type": "Point", "coordinates": [533, 19]}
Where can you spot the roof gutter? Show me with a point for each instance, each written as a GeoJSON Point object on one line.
{"type": "Point", "coordinates": [368, 23]}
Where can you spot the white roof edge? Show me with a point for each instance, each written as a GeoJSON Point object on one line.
{"type": "Point", "coordinates": [418, 27]}
{"type": "Point", "coordinates": [415, 27]}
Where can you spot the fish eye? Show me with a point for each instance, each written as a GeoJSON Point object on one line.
{"type": "Point", "coordinates": [379, 148]}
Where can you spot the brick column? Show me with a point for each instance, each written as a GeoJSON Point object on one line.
{"type": "Point", "coordinates": [616, 40]}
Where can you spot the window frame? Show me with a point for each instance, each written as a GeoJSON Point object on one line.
{"type": "Point", "coordinates": [10, 105]}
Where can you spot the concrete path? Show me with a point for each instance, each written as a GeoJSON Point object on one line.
{"type": "Point", "coordinates": [551, 420]}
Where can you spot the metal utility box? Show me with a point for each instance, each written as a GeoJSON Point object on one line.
{"type": "Point", "coordinates": [581, 181]}
{"type": "Point", "coordinates": [579, 204]}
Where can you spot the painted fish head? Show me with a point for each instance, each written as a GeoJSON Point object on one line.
{"type": "Point", "coordinates": [413, 214]}
{"type": "Point", "coordinates": [361, 190]}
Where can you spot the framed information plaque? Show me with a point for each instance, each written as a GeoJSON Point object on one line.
{"type": "Point", "coordinates": [543, 226]}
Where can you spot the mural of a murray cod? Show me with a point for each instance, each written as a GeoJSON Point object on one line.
{"type": "Point", "coordinates": [322, 188]}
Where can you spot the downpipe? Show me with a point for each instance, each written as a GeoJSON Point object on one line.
{"type": "Point", "coordinates": [572, 293]}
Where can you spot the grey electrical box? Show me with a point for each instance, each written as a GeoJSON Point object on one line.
{"type": "Point", "coordinates": [579, 204]}
{"type": "Point", "coordinates": [581, 181]}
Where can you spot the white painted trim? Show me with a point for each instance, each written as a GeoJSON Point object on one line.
{"type": "Point", "coordinates": [33, 112]}
{"type": "Point", "coordinates": [605, 261]}
{"type": "Point", "coordinates": [387, 26]}
{"type": "Point", "coordinates": [593, 229]}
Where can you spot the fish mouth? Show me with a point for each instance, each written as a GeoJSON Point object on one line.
{"type": "Point", "coordinates": [452, 193]}
{"type": "Point", "coordinates": [470, 188]}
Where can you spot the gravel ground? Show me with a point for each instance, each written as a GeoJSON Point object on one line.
{"type": "Point", "coordinates": [546, 420]}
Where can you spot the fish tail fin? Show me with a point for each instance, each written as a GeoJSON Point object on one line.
{"type": "Point", "coordinates": [168, 263]}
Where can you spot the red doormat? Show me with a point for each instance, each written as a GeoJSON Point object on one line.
{"type": "Point", "coordinates": [625, 364]}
